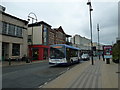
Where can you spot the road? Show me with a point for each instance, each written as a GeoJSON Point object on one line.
{"type": "Point", "coordinates": [31, 75]}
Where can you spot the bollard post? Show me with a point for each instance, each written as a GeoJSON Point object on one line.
{"type": "Point", "coordinates": [9, 61]}
{"type": "Point", "coordinates": [107, 60]}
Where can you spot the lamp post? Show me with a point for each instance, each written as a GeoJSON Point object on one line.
{"type": "Point", "coordinates": [32, 23]}
{"type": "Point", "coordinates": [98, 41]}
{"type": "Point", "coordinates": [90, 9]}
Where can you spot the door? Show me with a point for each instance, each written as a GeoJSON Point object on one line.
{"type": "Point", "coordinates": [35, 53]}
{"type": "Point", "coordinates": [45, 55]}
{"type": "Point", "coordinates": [5, 51]}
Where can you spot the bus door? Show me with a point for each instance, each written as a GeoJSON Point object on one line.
{"type": "Point", "coordinates": [68, 54]}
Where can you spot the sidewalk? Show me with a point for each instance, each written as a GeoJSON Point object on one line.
{"type": "Point", "coordinates": [85, 75]}
{"type": "Point", "coordinates": [13, 63]}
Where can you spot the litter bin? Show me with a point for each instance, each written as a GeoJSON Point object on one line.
{"type": "Point", "coordinates": [27, 60]}
{"type": "Point", "coordinates": [107, 61]}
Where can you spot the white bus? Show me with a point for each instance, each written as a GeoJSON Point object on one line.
{"type": "Point", "coordinates": [63, 54]}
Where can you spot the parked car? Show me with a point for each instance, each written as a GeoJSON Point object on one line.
{"type": "Point", "coordinates": [85, 57]}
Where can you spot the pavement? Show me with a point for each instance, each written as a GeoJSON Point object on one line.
{"type": "Point", "coordinates": [16, 63]}
{"type": "Point", "coordinates": [85, 75]}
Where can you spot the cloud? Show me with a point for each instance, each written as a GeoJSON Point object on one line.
{"type": "Point", "coordinates": [72, 16]}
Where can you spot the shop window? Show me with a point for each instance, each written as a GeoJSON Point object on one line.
{"type": "Point", "coordinates": [16, 50]}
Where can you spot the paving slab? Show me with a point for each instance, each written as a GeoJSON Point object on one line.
{"type": "Point", "coordinates": [85, 75]}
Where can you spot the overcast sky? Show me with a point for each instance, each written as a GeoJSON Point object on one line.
{"type": "Point", "coordinates": [72, 15]}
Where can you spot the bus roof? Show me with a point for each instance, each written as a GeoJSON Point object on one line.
{"type": "Point", "coordinates": [65, 46]}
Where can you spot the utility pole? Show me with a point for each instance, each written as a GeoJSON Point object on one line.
{"type": "Point", "coordinates": [90, 9]}
{"type": "Point", "coordinates": [98, 41]}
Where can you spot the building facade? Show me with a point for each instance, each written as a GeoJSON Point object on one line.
{"type": "Point", "coordinates": [38, 40]}
{"type": "Point", "coordinates": [81, 42]}
{"type": "Point", "coordinates": [40, 36]}
{"type": "Point", "coordinates": [38, 33]}
{"type": "Point", "coordinates": [59, 36]}
{"type": "Point", "coordinates": [118, 38]}
{"type": "Point", "coordinates": [14, 37]}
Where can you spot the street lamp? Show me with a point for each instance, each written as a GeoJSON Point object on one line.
{"type": "Point", "coordinates": [98, 41]}
{"type": "Point", "coordinates": [29, 17]}
{"type": "Point", "coordinates": [90, 9]}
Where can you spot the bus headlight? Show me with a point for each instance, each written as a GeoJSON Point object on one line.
{"type": "Point", "coordinates": [64, 60]}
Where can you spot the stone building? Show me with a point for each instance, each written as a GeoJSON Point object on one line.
{"type": "Point", "coordinates": [81, 42]}
{"type": "Point", "coordinates": [13, 36]}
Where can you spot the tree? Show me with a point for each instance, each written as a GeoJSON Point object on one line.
{"type": "Point", "coordinates": [116, 52]}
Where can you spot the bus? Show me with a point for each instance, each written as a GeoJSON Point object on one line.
{"type": "Point", "coordinates": [62, 54]}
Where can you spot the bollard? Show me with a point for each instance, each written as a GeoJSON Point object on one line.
{"type": "Point", "coordinates": [103, 59]}
{"type": "Point", "coordinates": [9, 61]}
{"type": "Point", "coordinates": [107, 61]}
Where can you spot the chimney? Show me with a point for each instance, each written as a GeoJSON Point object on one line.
{"type": "Point", "coordinates": [2, 8]}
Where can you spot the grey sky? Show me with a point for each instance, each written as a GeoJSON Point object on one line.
{"type": "Point", "coordinates": [72, 16]}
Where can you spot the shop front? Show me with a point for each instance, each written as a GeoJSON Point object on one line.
{"type": "Point", "coordinates": [38, 52]}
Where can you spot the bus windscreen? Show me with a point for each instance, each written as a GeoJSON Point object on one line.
{"type": "Point", "coordinates": [57, 52]}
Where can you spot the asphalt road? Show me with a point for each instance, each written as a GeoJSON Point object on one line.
{"type": "Point", "coordinates": [31, 75]}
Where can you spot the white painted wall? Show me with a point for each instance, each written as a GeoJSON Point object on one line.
{"type": "Point", "coordinates": [37, 34]}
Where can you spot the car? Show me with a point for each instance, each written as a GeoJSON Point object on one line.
{"type": "Point", "coordinates": [85, 57]}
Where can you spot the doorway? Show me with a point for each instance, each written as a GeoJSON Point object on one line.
{"type": "Point", "coordinates": [35, 53]}
{"type": "Point", "coordinates": [5, 51]}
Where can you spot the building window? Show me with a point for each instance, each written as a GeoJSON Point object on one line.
{"type": "Point", "coordinates": [16, 50]}
{"type": "Point", "coordinates": [4, 29]}
{"type": "Point", "coordinates": [30, 38]}
{"type": "Point", "coordinates": [19, 32]}
{"type": "Point", "coordinates": [45, 35]}
{"type": "Point", "coordinates": [11, 30]}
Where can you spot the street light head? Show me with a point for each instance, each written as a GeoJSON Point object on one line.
{"type": "Point", "coordinates": [88, 3]}
{"type": "Point", "coordinates": [28, 19]}
{"type": "Point", "coordinates": [91, 9]}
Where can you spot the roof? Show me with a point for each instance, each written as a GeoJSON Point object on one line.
{"type": "Point", "coordinates": [65, 46]}
{"type": "Point", "coordinates": [68, 35]}
{"type": "Point", "coordinates": [26, 22]}
{"type": "Point", "coordinates": [61, 30]}
{"type": "Point", "coordinates": [38, 24]}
